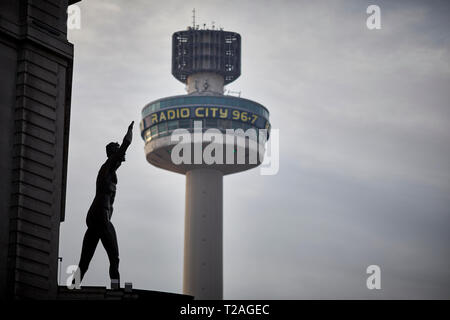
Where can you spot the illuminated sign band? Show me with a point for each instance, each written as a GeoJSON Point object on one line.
{"type": "Point", "coordinates": [200, 112]}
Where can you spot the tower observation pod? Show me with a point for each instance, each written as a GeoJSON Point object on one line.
{"type": "Point", "coordinates": [205, 135]}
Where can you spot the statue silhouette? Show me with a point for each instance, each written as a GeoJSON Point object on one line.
{"type": "Point", "coordinates": [98, 219]}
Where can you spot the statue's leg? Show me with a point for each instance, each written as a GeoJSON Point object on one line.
{"type": "Point", "coordinates": [109, 241]}
{"type": "Point", "coordinates": [90, 241]}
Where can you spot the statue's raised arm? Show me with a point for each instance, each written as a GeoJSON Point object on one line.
{"type": "Point", "coordinates": [127, 139]}
{"type": "Point", "coordinates": [129, 135]}
{"type": "Point", "coordinates": [117, 154]}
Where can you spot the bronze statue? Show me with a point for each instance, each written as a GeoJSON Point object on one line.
{"type": "Point", "coordinates": [98, 219]}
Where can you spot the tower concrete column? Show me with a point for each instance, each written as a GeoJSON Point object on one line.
{"type": "Point", "coordinates": [203, 248]}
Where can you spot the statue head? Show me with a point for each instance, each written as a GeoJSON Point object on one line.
{"type": "Point", "coordinates": [112, 148]}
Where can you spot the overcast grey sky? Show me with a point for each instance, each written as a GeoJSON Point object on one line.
{"type": "Point", "coordinates": [364, 119]}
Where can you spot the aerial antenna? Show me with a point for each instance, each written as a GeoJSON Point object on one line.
{"type": "Point", "coordinates": [193, 18]}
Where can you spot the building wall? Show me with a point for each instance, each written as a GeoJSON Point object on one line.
{"type": "Point", "coordinates": [36, 72]}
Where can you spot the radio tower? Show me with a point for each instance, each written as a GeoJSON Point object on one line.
{"type": "Point", "coordinates": [205, 60]}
